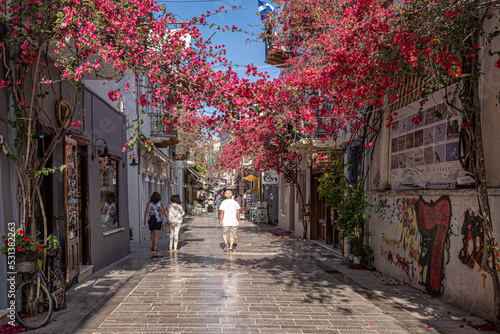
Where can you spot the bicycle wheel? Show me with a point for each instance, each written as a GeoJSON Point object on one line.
{"type": "Point", "coordinates": [33, 304]}
{"type": "Point", "coordinates": [58, 289]}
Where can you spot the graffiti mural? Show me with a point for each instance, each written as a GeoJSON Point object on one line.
{"type": "Point", "coordinates": [473, 240]}
{"type": "Point", "coordinates": [434, 221]}
{"type": "Point", "coordinates": [389, 210]}
{"type": "Point", "coordinates": [424, 229]}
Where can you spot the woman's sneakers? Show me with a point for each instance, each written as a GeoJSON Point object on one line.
{"type": "Point", "coordinates": [226, 247]}
{"type": "Point", "coordinates": [230, 250]}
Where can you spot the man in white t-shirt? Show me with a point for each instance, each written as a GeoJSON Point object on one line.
{"type": "Point", "coordinates": [229, 220]}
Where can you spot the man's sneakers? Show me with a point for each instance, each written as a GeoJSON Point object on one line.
{"type": "Point", "coordinates": [226, 247]}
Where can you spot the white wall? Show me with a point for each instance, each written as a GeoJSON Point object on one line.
{"type": "Point", "coordinates": [428, 239]}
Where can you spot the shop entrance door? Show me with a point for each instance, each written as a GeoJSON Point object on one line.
{"type": "Point", "coordinates": [75, 201]}
{"type": "Point", "coordinates": [321, 217]}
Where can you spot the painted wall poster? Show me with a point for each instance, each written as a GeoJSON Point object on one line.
{"type": "Point", "coordinates": [426, 152]}
{"type": "Point", "coordinates": [452, 130]}
{"type": "Point", "coordinates": [452, 151]}
{"type": "Point", "coordinates": [409, 140]}
{"type": "Point", "coordinates": [410, 159]}
{"type": "Point", "coordinates": [419, 157]}
{"type": "Point", "coordinates": [430, 116]}
{"type": "Point", "coordinates": [439, 154]}
{"type": "Point", "coordinates": [394, 144]}
{"type": "Point", "coordinates": [419, 138]}
{"type": "Point", "coordinates": [402, 127]}
{"type": "Point", "coordinates": [441, 112]}
{"type": "Point", "coordinates": [395, 128]}
{"type": "Point", "coordinates": [402, 160]}
{"type": "Point", "coordinates": [428, 136]}
{"type": "Point", "coordinates": [428, 155]}
{"type": "Point", "coordinates": [394, 161]}
{"type": "Point", "coordinates": [409, 124]}
{"type": "Point", "coordinates": [439, 132]}
{"type": "Point", "coordinates": [401, 143]}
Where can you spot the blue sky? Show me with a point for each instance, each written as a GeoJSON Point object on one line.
{"type": "Point", "coordinates": [239, 50]}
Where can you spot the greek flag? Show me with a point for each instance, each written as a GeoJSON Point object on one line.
{"type": "Point", "coordinates": [264, 7]}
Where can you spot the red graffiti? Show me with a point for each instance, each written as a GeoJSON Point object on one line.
{"type": "Point", "coordinates": [473, 240]}
{"type": "Point", "coordinates": [434, 220]}
{"type": "Point", "coordinates": [403, 264]}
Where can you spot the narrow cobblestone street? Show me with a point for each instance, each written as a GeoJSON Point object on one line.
{"type": "Point", "coordinates": [272, 283]}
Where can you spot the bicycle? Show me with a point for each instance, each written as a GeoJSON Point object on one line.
{"type": "Point", "coordinates": [37, 297]}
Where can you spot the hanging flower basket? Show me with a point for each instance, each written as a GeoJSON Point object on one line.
{"type": "Point", "coordinates": [26, 262]}
{"type": "Point", "coordinates": [26, 249]}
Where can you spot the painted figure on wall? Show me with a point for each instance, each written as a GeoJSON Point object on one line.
{"type": "Point", "coordinates": [424, 236]}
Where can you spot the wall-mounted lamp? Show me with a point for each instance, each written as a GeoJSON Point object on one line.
{"type": "Point", "coordinates": [134, 162]}
{"type": "Point", "coordinates": [40, 132]}
{"type": "Point", "coordinates": [105, 154]}
{"type": "Point", "coordinates": [147, 178]}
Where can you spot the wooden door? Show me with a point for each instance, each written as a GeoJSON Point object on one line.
{"type": "Point", "coordinates": [72, 201]}
{"type": "Point", "coordinates": [321, 215]}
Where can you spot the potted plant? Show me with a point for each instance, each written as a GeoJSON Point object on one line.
{"type": "Point", "coordinates": [53, 248]}
{"type": "Point", "coordinates": [350, 202]}
{"type": "Point", "coordinates": [362, 254]}
{"type": "Point", "coordinates": [25, 249]}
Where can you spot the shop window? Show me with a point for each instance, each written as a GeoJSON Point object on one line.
{"type": "Point", "coordinates": [353, 157]}
{"type": "Point", "coordinates": [108, 170]}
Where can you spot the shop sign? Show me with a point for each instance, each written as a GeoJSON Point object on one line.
{"type": "Point", "coordinates": [270, 177]}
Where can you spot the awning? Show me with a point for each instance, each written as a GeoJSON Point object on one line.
{"type": "Point", "coordinates": [197, 175]}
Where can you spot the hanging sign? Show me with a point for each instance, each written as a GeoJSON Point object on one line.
{"type": "Point", "coordinates": [270, 177]}
{"type": "Point", "coordinates": [250, 177]}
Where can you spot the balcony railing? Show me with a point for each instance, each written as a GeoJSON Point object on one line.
{"type": "Point", "coordinates": [318, 133]}
{"type": "Point", "coordinates": [275, 56]}
{"type": "Point", "coordinates": [162, 134]}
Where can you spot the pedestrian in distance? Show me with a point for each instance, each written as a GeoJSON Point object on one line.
{"type": "Point", "coordinates": [153, 216]}
{"type": "Point", "coordinates": [238, 199]}
{"type": "Point", "coordinates": [229, 220]}
{"type": "Point", "coordinates": [175, 212]}
{"type": "Point", "coordinates": [218, 201]}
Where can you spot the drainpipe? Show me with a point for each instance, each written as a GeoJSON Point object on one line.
{"type": "Point", "coordinates": [139, 175]}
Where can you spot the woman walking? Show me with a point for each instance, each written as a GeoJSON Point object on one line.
{"type": "Point", "coordinates": [153, 216]}
{"type": "Point", "coordinates": [174, 214]}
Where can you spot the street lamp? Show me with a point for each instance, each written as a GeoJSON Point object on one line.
{"type": "Point", "coordinates": [105, 154]}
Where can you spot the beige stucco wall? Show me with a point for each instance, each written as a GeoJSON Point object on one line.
{"type": "Point", "coordinates": [288, 201]}
{"type": "Point", "coordinates": [430, 238]}
{"type": "Point", "coordinates": [426, 239]}
{"type": "Point", "coordinates": [490, 108]}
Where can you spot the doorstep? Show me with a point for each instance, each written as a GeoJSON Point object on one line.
{"type": "Point", "coordinates": [337, 252]}
{"type": "Point", "coordinates": [85, 271]}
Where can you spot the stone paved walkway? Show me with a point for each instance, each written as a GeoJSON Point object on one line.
{"type": "Point", "coordinates": [272, 283]}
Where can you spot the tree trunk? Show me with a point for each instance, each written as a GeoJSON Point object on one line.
{"type": "Point", "coordinates": [488, 261]}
